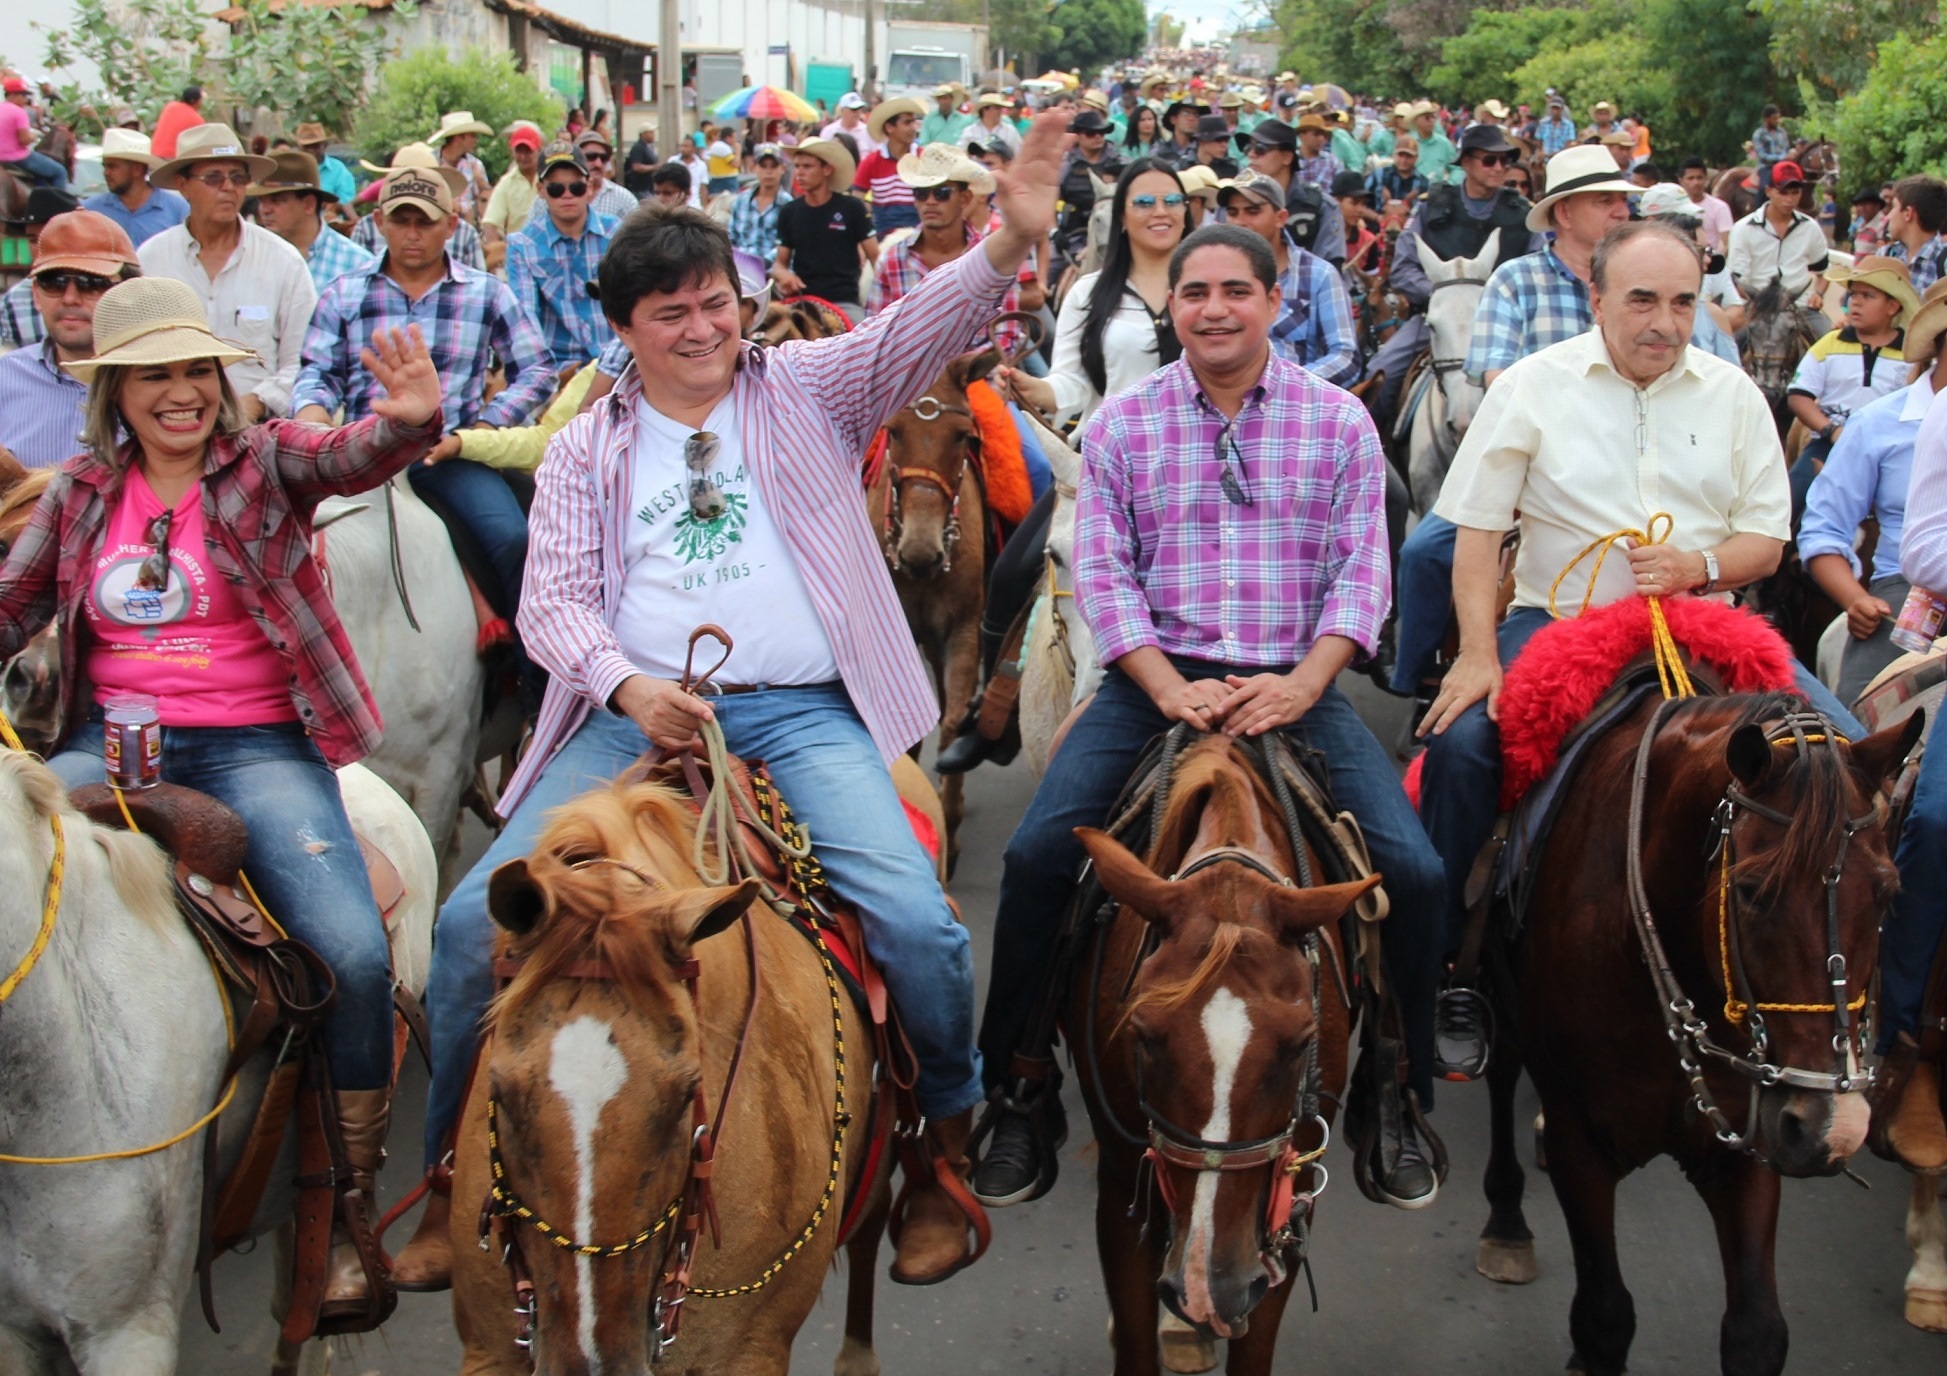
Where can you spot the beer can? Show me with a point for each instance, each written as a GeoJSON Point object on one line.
{"type": "Point", "coordinates": [1920, 621]}
{"type": "Point", "coordinates": [132, 741]}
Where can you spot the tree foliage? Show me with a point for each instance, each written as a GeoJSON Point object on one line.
{"type": "Point", "coordinates": [1832, 45]}
{"type": "Point", "coordinates": [414, 91]}
{"type": "Point", "coordinates": [1892, 126]}
{"type": "Point", "coordinates": [1097, 31]}
{"type": "Point", "coordinates": [145, 53]}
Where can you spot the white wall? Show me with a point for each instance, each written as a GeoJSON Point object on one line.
{"type": "Point", "coordinates": [833, 32]}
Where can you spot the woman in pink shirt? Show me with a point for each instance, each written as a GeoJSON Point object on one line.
{"type": "Point", "coordinates": [175, 557]}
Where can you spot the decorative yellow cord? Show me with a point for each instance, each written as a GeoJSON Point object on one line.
{"type": "Point", "coordinates": [56, 871]}
{"type": "Point", "coordinates": [1735, 1009]}
{"type": "Point", "coordinates": [1670, 672]}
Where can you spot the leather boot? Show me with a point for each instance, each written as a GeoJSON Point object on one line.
{"type": "Point", "coordinates": [426, 1262]}
{"type": "Point", "coordinates": [931, 1232]}
{"type": "Point", "coordinates": [363, 1116]}
{"type": "Point", "coordinates": [1907, 1124]}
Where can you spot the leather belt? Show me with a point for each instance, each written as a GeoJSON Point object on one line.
{"type": "Point", "coordinates": [713, 689]}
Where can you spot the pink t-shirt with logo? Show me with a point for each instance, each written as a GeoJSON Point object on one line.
{"type": "Point", "coordinates": [190, 643]}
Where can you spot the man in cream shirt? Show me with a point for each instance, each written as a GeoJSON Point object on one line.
{"type": "Point", "coordinates": [1589, 436]}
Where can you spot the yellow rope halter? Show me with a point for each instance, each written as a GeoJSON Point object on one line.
{"type": "Point", "coordinates": [1669, 660]}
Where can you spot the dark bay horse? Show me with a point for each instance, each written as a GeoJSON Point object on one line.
{"type": "Point", "coordinates": [1217, 1024]}
{"type": "Point", "coordinates": [1672, 992]}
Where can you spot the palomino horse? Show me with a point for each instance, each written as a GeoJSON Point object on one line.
{"type": "Point", "coordinates": [115, 1041]}
{"type": "Point", "coordinates": [1750, 865]}
{"type": "Point", "coordinates": [1215, 1024]}
{"type": "Point", "coordinates": [631, 1013]}
{"type": "Point", "coordinates": [1442, 406]}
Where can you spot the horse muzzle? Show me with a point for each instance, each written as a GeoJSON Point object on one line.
{"type": "Point", "coordinates": [1806, 1133]}
{"type": "Point", "coordinates": [1217, 1305]}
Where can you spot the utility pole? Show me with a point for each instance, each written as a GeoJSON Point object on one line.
{"type": "Point", "coordinates": [867, 78]}
{"type": "Point", "coordinates": [669, 80]}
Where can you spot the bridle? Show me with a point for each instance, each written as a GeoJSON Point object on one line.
{"type": "Point", "coordinates": [1443, 368]}
{"type": "Point", "coordinates": [1802, 731]}
{"type": "Point", "coordinates": [929, 409]}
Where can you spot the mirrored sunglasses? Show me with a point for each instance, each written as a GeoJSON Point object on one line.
{"type": "Point", "coordinates": [706, 498]}
{"type": "Point", "coordinates": [1148, 202]}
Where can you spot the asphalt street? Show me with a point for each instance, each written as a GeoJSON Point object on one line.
{"type": "Point", "coordinates": [1397, 1291]}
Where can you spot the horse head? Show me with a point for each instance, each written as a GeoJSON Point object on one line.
{"type": "Point", "coordinates": [1457, 285]}
{"type": "Point", "coordinates": [30, 682]}
{"type": "Point", "coordinates": [594, 1062]}
{"type": "Point", "coordinates": [1797, 874]}
{"type": "Point", "coordinates": [1773, 340]}
{"type": "Point", "coordinates": [1222, 1020]}
{"type": "Point", "coordinates": [796, 318]}
{"type": "Point", "coordinates": [1100, 218]}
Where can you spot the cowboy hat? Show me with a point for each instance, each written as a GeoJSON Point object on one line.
{"type": "Point", "coordinates": [1405, 110]}
{"type": "Point", "coordinates": [1601, 107]}
{"type": "Point", "coordinates": [149, 320]}
{"type": "Point", "coordinates": [1150, 84]}
{"type": "Point", "coordinates": [421, 155]}
{"type": "Point", "coordinates": [1484, 138]}
{"type": "Point", "coordinates": [832, 153]}
{"type": "Point", "coordinates": [1424, 107]}
{"type": "Point", "coordinates": [310, 133]}
{"type": "Point", "coordinates": [1491, 108]}
{"type": "Point", "coordinates": [992, 101]}
{"type": "Point", "coordinates": [1925, 325]}
{"type": "Point", "coordinates": [1199, 180]}
{"type": "Point", "coordinates": [1272, 131]}
{"type": "Point", "coordinates": [459, 122]}
{"type": "Point", "coordinates": [1088, 121]}
{"type": "Point", "coordinates": [84, 241]}
{"type": "Point", "coordinates": [1182, 103]}
{"type": "Point", "coordinates": [1316, 123]}
{"type": "Point", "coordinates": [1213, 129]}
{"type": "Point", "coordinates": [128, 145]}
{"type": "Point", "coordinates": [1882, 274]}
{"type": "Point", "coordinates": [888, 110]}
{"type": "Point", "coordinates": [1230, 100]}
{"type": "Point", "coordinates": [940, 163]}
{"type": "Point", "coordinates": [209, 143]}
{"type": "Point", "coordinates": [1577, 169]}
{"type": "Point", "coordinates": [295, 171]}
{"type": "Point", "coordinates": [1095, 100]}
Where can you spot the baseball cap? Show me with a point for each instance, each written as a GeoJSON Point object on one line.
{"type": "Point", "coordinates": [1349, 184]}
{"type": "Point", "coordinates": [1787, 173]}
{"type": "Point", "coordinates": [851, 100]}
{"type": "Point", "coordinates": [1667, 198]}
{"type": "Point", "coordinates": [424, 190]}
{"type": "Point", "coordinates": [1256, 185]}
{"type": "Point", "coordinates": [520, 133]}
{"type": "Point", "coordinates": [767, 150]}
{"type": "Point", "coordinates": [14, 86]}
{"type": "Point", "coordinates": [83, 241]}
{"type": "Point", "coordinates": [562, 154]}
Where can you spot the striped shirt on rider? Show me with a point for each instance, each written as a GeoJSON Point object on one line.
{"type": "Point", "coordinates": [1164, 558]}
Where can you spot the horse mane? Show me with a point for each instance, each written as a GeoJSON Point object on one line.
{"type": "Point", "coordinates": [23, 494]}
{"type": "Point", "coordinates": [136, 866]}
{"type": "Point", "coordinates": [605, 912]}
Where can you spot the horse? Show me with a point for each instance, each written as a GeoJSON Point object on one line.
{"type": "Point", "coordinates": [114, 1041]}
{"type": "Point", "coordinates": [1438, 409]}
{"type": "Point", "coordinates": [1059, 668]}
{"type": "Point", "coordinates": [798, 317]}
{"type": "Point", "coordinates": [1215, 1020]}
{"type": "Point", "coordinates": [589, 1098]}
{"type": "Point", "coordinates": [1775, 336]}
{"type": "Point", "coordinates": [1642, 929]}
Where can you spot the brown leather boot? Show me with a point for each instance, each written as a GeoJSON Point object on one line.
{"type": "Point", "coordinates": [426, 1263]}
{"type": "Point", "coordinates": [363, 1117]}
{"type": "Point", "coordinates": [931, 1219]}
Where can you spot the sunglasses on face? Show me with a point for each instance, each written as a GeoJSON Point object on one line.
{"type": "Point", "coordinates": [57, 282]}
{"type": "Point", "coordinates": [154, 572]}
{"type": "Point", "coordinates": [1148, 202]}
{"type": "Point", "coordinates": [943, 193]}
{"type": "Point", "coordinates": [556, 190]}
{"type": "Point", "coordinates": [1260, 146]}
{"type": "Point", "coordinates": [216, 181]}
{"type": "Point", "coordinates": [706, 498]}
{"type": "Point", "coordinates": [594, 157]}
{"type": "Point", "coordinates": [1497, 159]}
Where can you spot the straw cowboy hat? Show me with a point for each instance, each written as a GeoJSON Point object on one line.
{"type": "Point", "coordinates": [1095, 100]}
{"type": "Point", "coordinates": [1152, 85]}
{"type": "Point", "coordinates": [993, 101]}
{"type": "Point", "coordinates": [887, 110]}
{"type": "Point", "coordinates": [1492, 109]}
{"type": "Point", "coordinates": [1883, 274]}
{"type": "Point", "coordinates": [209, 143]}
{"type": "Point", "coordinates": [832, 153]}
{"type": "Point", "coordinates": [1199, 180]}
{"type": "Point", "coordinates": [310, 133]}
{"type": "Point", "coordinates": [1577, 169]}
{"type": "Point", "coordinates": [128, 145]}
{"type": "Point", "coordinates": [1922, 334]}
{"type": "Point", "coordinates": [456, 123]}
{"type": "Point", "coordinates": [149, 320]}
{"type": "Point", "coordinates": [939, 163]}
{"type": "Point", "coordinates": [421, 155]}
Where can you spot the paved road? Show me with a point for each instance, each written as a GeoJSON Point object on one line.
{"type": "Point", "coordinates": [1397, 1291]}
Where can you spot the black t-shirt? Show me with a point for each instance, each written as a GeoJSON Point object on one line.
{"type": "Point", "coordinates": [824, 242]}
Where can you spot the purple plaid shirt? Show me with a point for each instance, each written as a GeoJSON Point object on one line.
{"type": "Point", "coordinates": [900, 272]}
{"type": "Point", "coordinates": [1164, 558]}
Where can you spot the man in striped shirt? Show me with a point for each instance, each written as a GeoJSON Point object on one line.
{"type": "Point", "coordinates": [721, 485]}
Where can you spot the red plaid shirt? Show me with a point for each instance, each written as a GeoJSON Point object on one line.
{"type": "Point", "coordinates": [260, 489]}
{"type": "Point", "coordinates": [900, 272]}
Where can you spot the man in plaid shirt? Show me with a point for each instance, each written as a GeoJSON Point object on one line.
{"type": "Point", "coordinates": [1231, 560]}
{"type": "Point", "coordinates": [1314, 328]}
{"type": "Point", "coordinates": [290, 205]}
{"type": "Point", "coordinates": [753, 213]}
{"type": "Point", "coordinates": [551, 262]}
{"type": "Point", "coordinates": [1916, 222]}
{"type": "Point", "coordinates": [946, 186]}
{"type": "Point", "coordinates": [1317, 165]}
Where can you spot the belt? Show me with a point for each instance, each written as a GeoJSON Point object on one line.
{"type": "Point", "coordinates": [713, 689]}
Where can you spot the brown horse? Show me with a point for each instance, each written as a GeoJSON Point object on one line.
{"type": "Point", "coordinates": [1672, 993]}
{"type": "Point", "coordinates": [1217, 1025]}
{"type": "Point", "coordinates": [798, 317]}
{"type": "Point", "coordinates": [589, 1082]}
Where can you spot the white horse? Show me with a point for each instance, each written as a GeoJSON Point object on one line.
{"type": "Point", "coordinates": [115, 1040]}
{"type": "Point", "coordinates": [1447, 400]}
{"type": "Point", "coordinates": [1059, 670]}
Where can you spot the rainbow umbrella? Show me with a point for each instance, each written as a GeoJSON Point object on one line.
{"type": "Point", "coordinates": [764, 102]}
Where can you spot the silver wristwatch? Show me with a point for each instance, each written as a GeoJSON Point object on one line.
{"type": "Point", "coordinates": [1710, 574]}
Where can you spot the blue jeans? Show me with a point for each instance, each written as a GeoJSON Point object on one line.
{"type": "Point", "coordinates": [303, 861]}
{"type": "Point", "coordinates": [1460, 786]}
{"type": "Point", "coordinates": [1804, 471]}
{"type": "Point", "coordinates": [1911, 933]}
{"type": "Point", "coordinates": [1083, 780]}
{"type": "Point", "coordinates": [1422, 601]}
{"type": "Point", "coordinates": [42, 168]}
{"type": "Point", "coordinates": [481, 499]}
{"type": "Point", "coordinates": [830, 772]}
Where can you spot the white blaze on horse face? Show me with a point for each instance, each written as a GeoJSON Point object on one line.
{"type": "Point", "coordinates": [587, 1071]}
{"type": "Point", "coordinates": [1226, 1032]}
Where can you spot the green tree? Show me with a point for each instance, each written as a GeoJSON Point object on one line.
{"type": "Point", "coordinates": [1482, 61]}
{"type": "Point", "coordinates": [1892, 126]}
{"type": "Point", "coordinates": [1351, 42]}
{"type": "Point", "coordinates": [1833, 45]}
{"type": "Point", "coordinates": [1722, 75]}
{"type": "Point", "coordinates": [1023, 30]}
{"type": "Point", "coordinates": [1097, 31]}
{"type": "Point", "coordinates": [308, 62]}
{"type": "Point", "coordinates": [144, 53]}
{"type": "Point", "coordinates": [415, 90]}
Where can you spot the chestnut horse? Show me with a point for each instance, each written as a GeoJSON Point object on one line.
{"type": "Point", "coordinates": [1216, 1028]}
{"type": "Point", "coordinates": [588, 1084]}
{"type": "Point", "coordinates": [1672, 993]}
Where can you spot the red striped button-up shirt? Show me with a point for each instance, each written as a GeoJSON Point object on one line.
{"type": "Point", "coordinates": [806, 412]}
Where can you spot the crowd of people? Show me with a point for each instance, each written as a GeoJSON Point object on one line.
{"type": "Point", "coordinates": [1206, 332]}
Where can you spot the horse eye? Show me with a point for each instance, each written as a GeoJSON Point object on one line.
{"type": "Point", "coordinates": [6, 548]}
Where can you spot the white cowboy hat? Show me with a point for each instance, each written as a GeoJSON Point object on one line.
{"type": "Point", "coordinates": [459, 122]}
{"type": "Point", "coordinates": [1581, 168]}
{"type": "Point", "coordinates": [887, 110]}
{"type": "Point", "coordinates": [832, 153]}
{"type": "Point", "coordinates": [421, 155]}
{"type": "Point", "coordinates": [209, 143]}
{"type": "Point", "coordinates": [939, 163]}
{"type": "Point", "coordinates": [129, 145]}
{"type": "Point", "coordinates": [149, 320]}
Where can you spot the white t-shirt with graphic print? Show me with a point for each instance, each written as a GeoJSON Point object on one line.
{"type": "Point", "coordinates": [735, 571]}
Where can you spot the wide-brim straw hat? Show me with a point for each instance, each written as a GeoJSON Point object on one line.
{"type": "Point", "coordinates": [1492, 108]}
{"type": "Point", "coordinates": [1924, 331]}
{"type": "Point", "coordinates": [459, 122]}
{"type": "Point", "coordinates": [209, 143]}
{"type": "Point", "coordinates": [1883, 274]}
{"type": "Point", "coordinates": [832, 153]}
{"type": "Point", "coordinates": [1577, 169]}
{"type": "Point", "coordinates": [296, 171]}
{"type": "Point", "coordinates": [149, 320]}
{"type": "Point", "coordinates": [887, 110]}
{"type": "Point", "coordinates": [130, 145]}
{"type": "Point", "coordinates": [421, 155]}
{"type": "Point", "coordinates": [1199, 180]}
{"type": "Point", "coordinates": [939, 163]}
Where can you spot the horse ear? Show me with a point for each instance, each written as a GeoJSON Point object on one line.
{"type": "Point", "coordinates": [1298, 911]}
{"type": "Point", "coordinates": [1128, 880]}
{"type": "Point", "coordinates": [514, 899]}
{"type": "Point", "coordinates": [1749, 755]}
{"type": "Point", "coordinates": [1881, 754]}
{"type": "Point", "coordinates": [700, 914]}
{"type": "Point", "coordinates": [979, 365]}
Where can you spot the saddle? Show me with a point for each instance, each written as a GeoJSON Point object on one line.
{"type": "Point", "coordinates": [283, 993]}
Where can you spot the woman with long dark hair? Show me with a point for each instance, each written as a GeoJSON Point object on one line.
{"type": "Point", "coordinates": [1141, 135]}
{"type": "Point", "coordinates": [1113, 331]}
